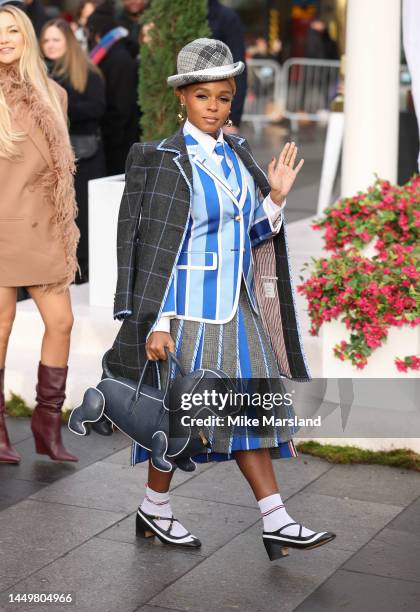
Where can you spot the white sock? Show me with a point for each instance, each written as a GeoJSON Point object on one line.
{"type": "Point", "coordinates": [157, 504]}
{"type": "Point", "coordinates": [275, 516]}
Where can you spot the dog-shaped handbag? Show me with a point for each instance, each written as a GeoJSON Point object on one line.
{"type": "Point", "coordinates": [152, 417]}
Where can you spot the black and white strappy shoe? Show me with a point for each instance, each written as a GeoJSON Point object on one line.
{"type": "Point", "coordinates": [146, 527]}
{"type": "Point", "coordinates": [277, 544]}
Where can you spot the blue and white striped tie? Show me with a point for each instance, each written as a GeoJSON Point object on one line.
{"type": "Point", "coordinates": [219, 149]}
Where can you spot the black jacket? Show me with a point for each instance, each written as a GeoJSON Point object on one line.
{"type": "Point", "coordinates": [319, 45]}
{"type": "Point", "coordinates": [226, 26]}
{"type": "Point", "coordinates": [36, 13]}
{"type": "Point", "coordinates": [133, 28]}
{"type": "Point", "coordinates": [120, 124]}
{"type": "Point", "coordinates": [85, 110]}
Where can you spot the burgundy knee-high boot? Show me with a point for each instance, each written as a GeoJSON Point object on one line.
{"type": "Point", "coordinates": [46, 418]}
{"type": "Point", "coordinates": [7, 452]}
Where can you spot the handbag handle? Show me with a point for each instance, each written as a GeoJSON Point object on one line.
{"type": "Point", "coordinates": [171, 359]}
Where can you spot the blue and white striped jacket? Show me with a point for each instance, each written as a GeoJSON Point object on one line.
{"type": "Point", "coordinates": [227, 218]}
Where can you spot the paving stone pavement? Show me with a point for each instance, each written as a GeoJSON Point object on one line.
{"type": "Point", "coordinates": [70, 528]}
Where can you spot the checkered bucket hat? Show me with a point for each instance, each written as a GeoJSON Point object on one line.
{"type": "Point", "coordinates": [203, 60]}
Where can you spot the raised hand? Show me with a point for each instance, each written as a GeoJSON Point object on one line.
{"type": "Point", "coordinates": [282, 174]}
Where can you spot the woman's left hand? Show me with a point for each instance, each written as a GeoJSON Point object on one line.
{"type": "Point", "coordinates": [281, 174]}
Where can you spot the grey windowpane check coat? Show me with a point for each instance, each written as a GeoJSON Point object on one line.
{"type": "Point", "coordinates": [153, 217]}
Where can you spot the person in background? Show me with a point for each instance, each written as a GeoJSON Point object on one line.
{"type": "Point", "coordinates": [129, 17]}
{"type": "Point", "coordinates": [109, 51]}
{"type": "Point", "coordinates": [84, 10]}
{"type": "Point", "coordinates": [36, 13]}
{"type": "Point", "coordinates": [85, 86]}
{"type": "Point", "coordinates": [319, 44]}
{"type": "Point", "coordinates": [260, 50]}
{"type": "Point", "coordinates": [226, 26]}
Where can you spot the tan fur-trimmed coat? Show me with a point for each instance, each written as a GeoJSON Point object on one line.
{"type": "Point", "coordinates": [38, 234]}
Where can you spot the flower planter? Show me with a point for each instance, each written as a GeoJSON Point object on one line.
{"type": "Point", "coordinates": [401, 341]}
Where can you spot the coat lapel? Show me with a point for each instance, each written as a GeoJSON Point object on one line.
{"type": "Point", "coordinates": [27, 124]}
{"type": "Point", "coordinates": [176, 144]}
{"type": "Point", "coordinates": [236, 142]}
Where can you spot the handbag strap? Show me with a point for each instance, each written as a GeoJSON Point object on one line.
{"type": "Point", "coordinates": [172, 359]}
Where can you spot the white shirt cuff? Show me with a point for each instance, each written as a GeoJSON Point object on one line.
{"type": "Point", "coordinates": [164, 324]}
{"type": "Point", "coordinates": [274, 213]}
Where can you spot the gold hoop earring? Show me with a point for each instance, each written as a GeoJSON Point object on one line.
{"type": "Point", "coordinates": [228, 122]}
{"type": "Point", "coordinates": [180, 116]}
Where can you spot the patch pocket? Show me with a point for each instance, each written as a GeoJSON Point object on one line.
{"type": "Point", "coordinates": [197, 260]}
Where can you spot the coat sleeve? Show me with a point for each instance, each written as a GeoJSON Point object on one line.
{"type": "Point", "coordinates": [267, 220]}
{"type": "Point", "coordinates": [127, 232]}
{"type": "Point", "coordinates": [62, 96]}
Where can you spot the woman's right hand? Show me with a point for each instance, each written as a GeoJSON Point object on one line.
{"type": "Point", "coordinates": [156, 343]}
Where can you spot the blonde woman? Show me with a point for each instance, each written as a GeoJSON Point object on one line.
{"type": "Point", "coordinates": [38, 234]}
{"type": "Point", "coordinates": [69, 65]}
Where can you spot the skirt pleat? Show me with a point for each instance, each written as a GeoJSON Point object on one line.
{"type": "Point", "coordinates": [242, 350]}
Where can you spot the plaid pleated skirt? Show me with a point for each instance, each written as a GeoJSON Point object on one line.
{"type": "Point", "coordinates": [241, 349]}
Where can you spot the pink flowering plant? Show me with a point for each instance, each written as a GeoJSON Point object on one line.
{"type": "Point", "coordinates": [368, 294]}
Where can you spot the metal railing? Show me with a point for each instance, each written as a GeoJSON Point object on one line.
{"type": "Point", "coordinates": [263, 99]}
{"type": "Point", "coordinates": [300, 88]}
{"type": "Point", "coordinates": [308, 87]}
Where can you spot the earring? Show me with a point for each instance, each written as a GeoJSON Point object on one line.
{"type": "Point", "coordinates": [228, 122]}
{"type": "Point", "coordinates": [180, 116]}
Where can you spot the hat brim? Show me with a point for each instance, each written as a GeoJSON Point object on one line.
{"type": "Point", "coordinates": [218, 73]}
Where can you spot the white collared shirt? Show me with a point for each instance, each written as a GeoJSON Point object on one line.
{"type": "Point", "coordinates": [271, 209]}
{"type": "Point", "coordinates": [208, 143]}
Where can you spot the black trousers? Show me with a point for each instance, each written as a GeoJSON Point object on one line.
{"type": "Point", "coordinates": [87, 169]}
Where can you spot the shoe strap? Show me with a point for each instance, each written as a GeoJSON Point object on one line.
{"type": "Point", "coordinates": [288, 525]}
{"type": "Point", "coordinates": [171, 520]}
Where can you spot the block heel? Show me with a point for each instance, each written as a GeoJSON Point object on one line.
{"type": "Point", "coordinates": [274, 541]}
{"type": "Point", "coordinates": [142, 529]}
{"type": "Point", "coordinates": [275, 550]}
{"type": "Point", "coordinates": [147, 527]}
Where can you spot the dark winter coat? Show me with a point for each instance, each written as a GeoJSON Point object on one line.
{"type": "Point", "coordinates": [226, 26]}
{"type": "Point", "coordinates": [120, 124]}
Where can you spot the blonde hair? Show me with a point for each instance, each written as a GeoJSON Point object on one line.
{"type": "Point", "coordinates": [74, 65]}
{"type": "Point", "coordinates": [32, 70]}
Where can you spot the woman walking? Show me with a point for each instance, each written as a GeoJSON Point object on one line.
{"type": "Point", "coordinates": [203, 271]}
{"type": "Point", "coordinates": [69, 66]}
{"type": "Point", "coordinates": [38, 235]}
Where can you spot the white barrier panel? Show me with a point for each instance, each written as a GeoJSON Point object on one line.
{"type": "Point", "coordinates": [332, 152]}
{"type": "Point", "coordinates": [104, 203]}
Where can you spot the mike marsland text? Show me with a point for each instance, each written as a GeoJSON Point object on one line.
{"type": "Point", "coordinates": [245, 421]}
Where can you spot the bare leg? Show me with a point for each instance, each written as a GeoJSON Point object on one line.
{"type": "Point", "coordinates": [257, 467]}
{"type": "Point", "coordinates": [157, 480]}
{"type": "Point", "coordinates": [7, 317]}
{"type": "Point", "coordinates": [56, 313]}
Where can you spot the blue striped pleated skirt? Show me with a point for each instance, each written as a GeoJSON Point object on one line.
{"type": "Point", "coordinates": [242, 350]}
